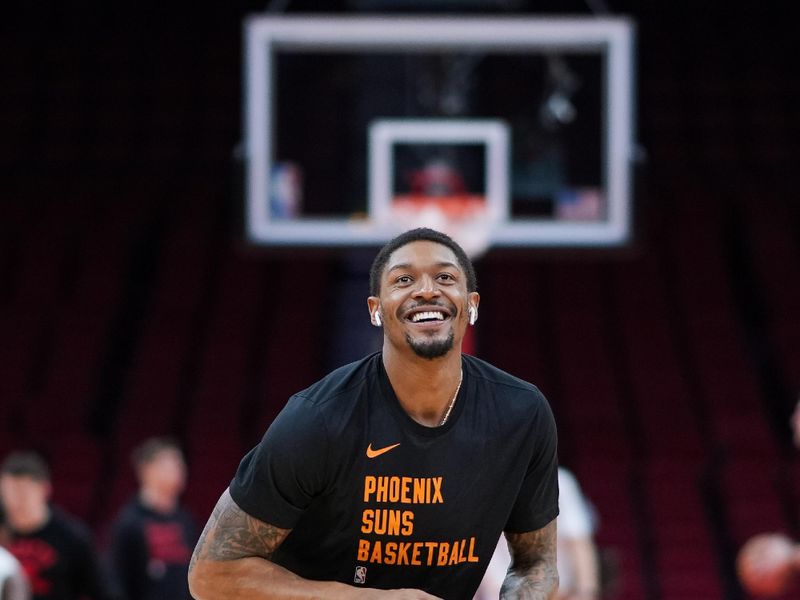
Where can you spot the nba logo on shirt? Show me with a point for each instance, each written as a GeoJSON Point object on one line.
{"type": "Point", "coordinates": [361, 575]}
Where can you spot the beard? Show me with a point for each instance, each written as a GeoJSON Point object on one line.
{"type": "Point", "coordinates": [431, 348]}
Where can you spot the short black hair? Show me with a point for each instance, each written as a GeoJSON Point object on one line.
{"type": "Point", "coordinates": [147, 450]}
{"type": "Point", "coordinates": [420, 234]}
{"type": "Point", "coordinates": [26, 464]}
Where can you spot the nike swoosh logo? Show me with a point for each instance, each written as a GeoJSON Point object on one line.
{"type": "Point", "coordinates": [373, 453]}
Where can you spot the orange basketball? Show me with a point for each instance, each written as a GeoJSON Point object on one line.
{"type": "Point", "coordinates": [765, 564]}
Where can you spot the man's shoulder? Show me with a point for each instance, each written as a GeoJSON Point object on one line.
{"type": "Point", "coordinates": [129, 514]}
{"type": "Point", "coordinates": [68, 527]}
{"type": "Point", "coordinates": [522, 402]}
{"type": "Point", "coordinates": [327, 406]}
{"type": "Point", "coordinates": [504, 382]}
{"type": "Point", "coordinates": [341, 383]}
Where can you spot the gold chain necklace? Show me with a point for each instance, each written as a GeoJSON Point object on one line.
{"type": "Point", "coordinates": [453, 400]}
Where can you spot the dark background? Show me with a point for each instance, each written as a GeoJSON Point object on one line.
{"type": "Point", "coordinates": [129, 305]}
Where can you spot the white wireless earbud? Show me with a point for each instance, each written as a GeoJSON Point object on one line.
{"type": "Point", "coordinates": [377, 317]}
{"type": "Point", "coordinates": [473, 315]}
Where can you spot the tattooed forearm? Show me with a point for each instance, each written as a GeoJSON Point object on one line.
{"type": "Point", "coordinates": [532, 574]}
{"type": "Point", "coordinates": [231, 533]}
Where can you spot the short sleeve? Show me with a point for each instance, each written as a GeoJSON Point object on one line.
{"type": "Point", "coordinates": [537, 501]}
{"type": "Point", "coordinates": [277, 480]}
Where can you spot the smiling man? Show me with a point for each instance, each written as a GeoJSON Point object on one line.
{"type": "Point", "coordinates": [394, 476]}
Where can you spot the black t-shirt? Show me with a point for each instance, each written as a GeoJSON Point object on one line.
{"type": "Point", "coordinates": [60, 561]}
{"type": "Point", "coordinates": [375, 499]}
{"type": "Point", "coordinates": [150, 552]}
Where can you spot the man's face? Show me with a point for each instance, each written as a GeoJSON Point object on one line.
{"type": "Point", "coordinates": [24, 498]}
{"type": "Point", "coordinates": [795, 423]}
{"type": "Point", "coordinates": [423, 299]}
{"type": "Point", "coordinates": [166, 472]}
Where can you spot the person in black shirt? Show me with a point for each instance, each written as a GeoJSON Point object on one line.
{"type": "Point", "coordinates": [394, 476]}
{"type": "Point", "coordinates": [152, 536]}
{"type": "Point", "coordinates": [55, 549]}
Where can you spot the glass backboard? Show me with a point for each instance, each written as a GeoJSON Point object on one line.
{"type": "Point", "coordinates": [345, 115]}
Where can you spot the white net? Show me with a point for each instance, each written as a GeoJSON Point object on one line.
{"type": "Point", "coordinates": [470, 229]}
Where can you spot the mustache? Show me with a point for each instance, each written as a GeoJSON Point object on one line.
{"type": "Point", "coordinates": [438, 303]}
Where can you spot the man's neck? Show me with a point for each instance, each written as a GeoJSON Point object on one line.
{"type": "Point", "coordinates": [32, 524]}
{"type": "Point", "coordinates": [424, 387]}
{"type": "Point", "coordinates": [158, 502]}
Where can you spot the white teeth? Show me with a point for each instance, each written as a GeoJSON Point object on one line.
{"type": "Point", "coordinates": [427, 315]}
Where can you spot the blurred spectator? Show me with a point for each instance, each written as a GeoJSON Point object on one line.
{"type": "Point", "coordinates": [794, 422]}
{"type": "Point", "coordinates": [55, 549]}
{"type": "Point", "coordinates": [13, 581]}
{"type": "Point", "coordinates": [578, 568]}
{"type": "Point", "coordinates": [153, 536]}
